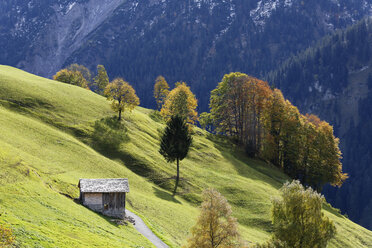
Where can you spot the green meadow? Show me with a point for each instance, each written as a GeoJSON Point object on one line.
{"type": "Point", "coordinates": [47, 144]}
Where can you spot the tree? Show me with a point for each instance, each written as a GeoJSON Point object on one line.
{"type": "Point", "coordinates": [322, 164]}
{"type": "Point", "coordinates": [298, 219]}
{"type": "Point", "coordinates": [274, 124]}
{"type": "Point", "coordinates": [238, 106]}
{"type": "Point", "coordinates": [71, 77]}
{"type": "Point", "coordinates": [175, 143]}
{"type": "Point", "coordinates": [182, 102]}
{"type": "Point", "coordinates": [161, 91]}
{"type": "Point", "coordinates": [303, 146]}
{"type": "Point", "coordinates": [6, 237]}
{"type": "Point", "coordinates": [215, 226]}
{"type": "Point", "coordinates": [272, 243]}
{"type": "Point", "coordinates": [205, 121]}
{"type": "Point", "coordinates": [122, 96]}
{"type": "Point", "coordinates": [102, 79]}
{"type": "Point", "coordinates": [82, 69]}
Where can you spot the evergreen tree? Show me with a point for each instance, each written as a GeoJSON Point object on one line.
{"type": "Point", "coordinates": [175, 143]}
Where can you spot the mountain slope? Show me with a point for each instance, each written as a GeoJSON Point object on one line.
{"type": "Point", "coordinates": [195, 41]}
{"type": "Point", "coordinates": [45, 136]}
{"type": "Point", "coordinates": [334, 80]}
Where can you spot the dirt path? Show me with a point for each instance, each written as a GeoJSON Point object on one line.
{"type": "Point", "coordinates": [142, 228]}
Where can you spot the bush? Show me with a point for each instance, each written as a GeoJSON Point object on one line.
{"type": "Point", "coordinates": [6, 237]}
{"type": "Point", "coordinates": [273, 243]}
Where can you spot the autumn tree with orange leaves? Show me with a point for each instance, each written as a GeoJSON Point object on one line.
{"type": "Point", "coordinates": [270, 127]}
{"type": "Point", "coordinates": [238, 106]}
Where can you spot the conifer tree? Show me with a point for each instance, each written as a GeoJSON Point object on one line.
{"type": "Point", "coordinates": [175, 143]}
{"type": "Point", "coordinates": [122, 96]}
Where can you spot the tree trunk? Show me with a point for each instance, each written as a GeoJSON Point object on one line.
{"type": "Point", "coordinates": [119, 115]}
{"type": "Point", "coordinates": [178, 176]}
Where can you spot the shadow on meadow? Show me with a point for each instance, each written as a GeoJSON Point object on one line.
{"type": "Point", "coordinates": [165, 195]}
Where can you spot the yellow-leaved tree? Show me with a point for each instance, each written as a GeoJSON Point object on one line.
{"type": "Point", "coordinates": [122, 96]}
{"type": "Point", "coordinates": [71, 77]}
{"type": "Point", "coordinates": [180, 102]}
{"type": "Point", "coordinates": [102, 79]}
{"type": "Point", "coordinates": [298, 219]}
{"type": "Point", "coordinates": [215, 226]}
{"type": "Point", "coordinates": [161, 91]}
{"type": "Point", "coordinates": [322, 154]}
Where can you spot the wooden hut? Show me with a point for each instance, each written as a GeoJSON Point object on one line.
{"type": "Point", "coordinates": [106, 196]}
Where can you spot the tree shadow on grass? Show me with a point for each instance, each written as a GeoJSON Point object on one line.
{"type": "Point", "coordinates": [162, 194]}
{"type": "Point", "coordinates": [249, 167]}
{"type": "Point", "coordinates": [108, 135]}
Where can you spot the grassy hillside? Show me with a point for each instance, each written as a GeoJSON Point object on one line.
{"type": "Point", "coordinates": [46, 146]}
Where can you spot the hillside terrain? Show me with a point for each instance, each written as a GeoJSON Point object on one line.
{"type": "Point", "coordinates": [198, 42]}
{"type": "Point", "coordinates": [46, 146]}
{"type": "Point", "coordinates": [334, 81]}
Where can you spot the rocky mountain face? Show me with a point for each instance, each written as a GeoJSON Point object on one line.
{"type": "Point", "coordinates": [196, 41]}
{"type": "Point", "coordinates": [39, 36]}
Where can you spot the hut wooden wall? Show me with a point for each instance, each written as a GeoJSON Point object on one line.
{"type": "Point", "coordinates": [114, 200]}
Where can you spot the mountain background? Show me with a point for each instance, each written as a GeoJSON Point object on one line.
{"type": "Point", "coordinates": [198, 41]}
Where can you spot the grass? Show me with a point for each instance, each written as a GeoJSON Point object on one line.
{"type": "Point", "coordinates": [47, 145]}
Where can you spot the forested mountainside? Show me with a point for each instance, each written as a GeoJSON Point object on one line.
{"type": "Point", "coordinates": [334, 81]}
{"type": "Point", "coordinates": [195, 41]}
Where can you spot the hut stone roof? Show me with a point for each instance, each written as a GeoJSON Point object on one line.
{"type": "Point", "coordinates": [104, 185]}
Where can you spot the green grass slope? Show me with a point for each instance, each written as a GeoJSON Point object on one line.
{"type": "Point", "coordinates": [46, 145]}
